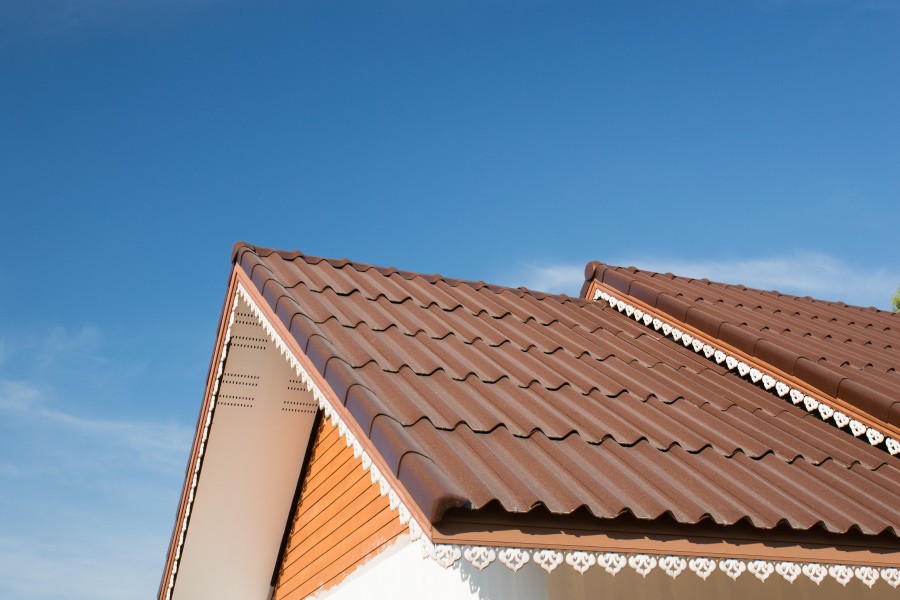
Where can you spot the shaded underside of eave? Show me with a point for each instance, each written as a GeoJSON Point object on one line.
{"type": "Point", "coordinates": [434, 370]}
{"type": "Point", "coordinates": [580, 529]}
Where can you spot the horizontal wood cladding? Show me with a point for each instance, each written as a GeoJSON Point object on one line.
{"type": "Point", "coordinates": [341, 520]}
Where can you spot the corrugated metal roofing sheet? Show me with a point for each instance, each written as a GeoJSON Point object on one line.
{"type": "Point", "coordinates": [848, 352]}
{"type": "Point", "coordinates": [477, 394]}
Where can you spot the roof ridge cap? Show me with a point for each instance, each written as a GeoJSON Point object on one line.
{"type": "Point", "coordinates": [595, 265]}
{"type": "Point", "coordinates": [408, 275]}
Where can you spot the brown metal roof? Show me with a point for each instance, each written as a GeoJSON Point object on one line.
{"type": "Point", "coordinates": [477, 394]}
{"type": "Point", "coordinates": [846, 352]}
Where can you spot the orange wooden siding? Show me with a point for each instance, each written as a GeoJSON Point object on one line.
{"type": "Point", "coordinates": [341, 520]}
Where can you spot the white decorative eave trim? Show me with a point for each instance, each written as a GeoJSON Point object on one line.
{"type": "Point", "coordinates": [613, 562]}
{"type": "Point", "coordinates": [414, 528]}
{"type": "Point", "coordinates": [828, 413]}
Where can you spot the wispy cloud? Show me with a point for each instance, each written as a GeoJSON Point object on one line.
{"type": "Point", "coordinates": [802, 273]}
{"type": "Point", "coordinates": [89, 482]}
{"type": "Point", "coordinates": [103, 565]}
{"type": "Point", "coordinates": [554, 278]}
{"type": "Point", "coordinates": [158, 444]}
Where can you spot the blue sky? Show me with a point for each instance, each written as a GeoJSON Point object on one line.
{"type": "Point", "coordinates": [747, 141]}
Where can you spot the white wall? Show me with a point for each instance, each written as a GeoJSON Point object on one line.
{"type": "Point", "coordinates": [400, 573]}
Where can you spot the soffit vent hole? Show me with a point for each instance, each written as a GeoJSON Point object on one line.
{"type": "Point", "coordinates": [249, 342]}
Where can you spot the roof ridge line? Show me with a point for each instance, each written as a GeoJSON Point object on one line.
{"type": "Point", "coordinates": [431, 278]}
{"type": "Point", "coordinates": [594, 265]}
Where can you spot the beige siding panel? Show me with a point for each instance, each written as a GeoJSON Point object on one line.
{"type": "Point", "coordinates": [341, 520]}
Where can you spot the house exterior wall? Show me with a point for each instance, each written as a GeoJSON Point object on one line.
{"type": "Point", "coordinates": [400, 573]}
{"type": "Point", "coordinates": [341, 520]}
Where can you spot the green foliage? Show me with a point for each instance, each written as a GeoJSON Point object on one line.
{"type": "Point", "coordinates": [896, 301]}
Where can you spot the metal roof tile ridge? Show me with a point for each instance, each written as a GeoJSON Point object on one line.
{"type": "Point", "coordinates": [238, 247]}
{"type": "Point", "coordinates": [840, 420]}
{"type": "Point", "coordinates": [430, 278]}
{"type": "Point", "coordinates": [463, 424]}
{"type": "Point", "coordinates": [841, 493]}
{"type": "Point", "coordinates": [395, 442]}
{"type": "Point", "coordinates": [595, 265]}
{"type": "Point", "coordinates": [612, 438]}
{"type": "Point", "coordinates": [883, 465]}
{"type": "Point", "coordinates": [800, 454]}
{"type": "Point", "coordinates": [362, 267]}
{"type": "Point", "coordinates": [262, 252]}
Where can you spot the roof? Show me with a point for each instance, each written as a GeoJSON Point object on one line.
{"type": "Point", "coordinates": [847, 352]}
{"type": "Point", "coordinates": [479, 395]}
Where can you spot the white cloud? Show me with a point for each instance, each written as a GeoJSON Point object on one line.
{"type": "Point", "coordinates": [554, 278]}
{"type": "Point", "coordinates": [89, 485]}
{"type": "Point", "coordinates": [103, 565]}
{"type": "Point", "coordinates": [800, 273]}
{"type": "Point", "coordinates": [57, 348]}
{"type": "Point", "coordinates": [18, 395]}
{"type": "Point", "coordinates": [157, 444]}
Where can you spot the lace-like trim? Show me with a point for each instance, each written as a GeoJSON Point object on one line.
{"type": "Point", "coordinates": [673, 566]}
{"type": "Point", "coordinates": [828, 413]}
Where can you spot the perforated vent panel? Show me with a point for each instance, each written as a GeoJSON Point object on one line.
{"type": "Point", "coordinates": [298, 399]}
{"type": "Point", "coordinates": [254, 378]}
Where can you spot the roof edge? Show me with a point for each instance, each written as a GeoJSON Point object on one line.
{"type": "Point", "coordinates": [240, 248]}
{"type": "Point", "coordinates": [596, 266]}
{"type": "Point", "coordinates": [182, 512]}
{"type": "Point", "coordinates": [748, 365]}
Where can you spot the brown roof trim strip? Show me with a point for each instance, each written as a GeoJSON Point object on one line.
{"type": "Point", "coordinates": [582, 542]}
{"type": "Point", "coordinates": [201, 431]}
{"type": "Point", "coordinates": [493, 526]}
{"type": "Point", "coordinates": [879, 434]}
